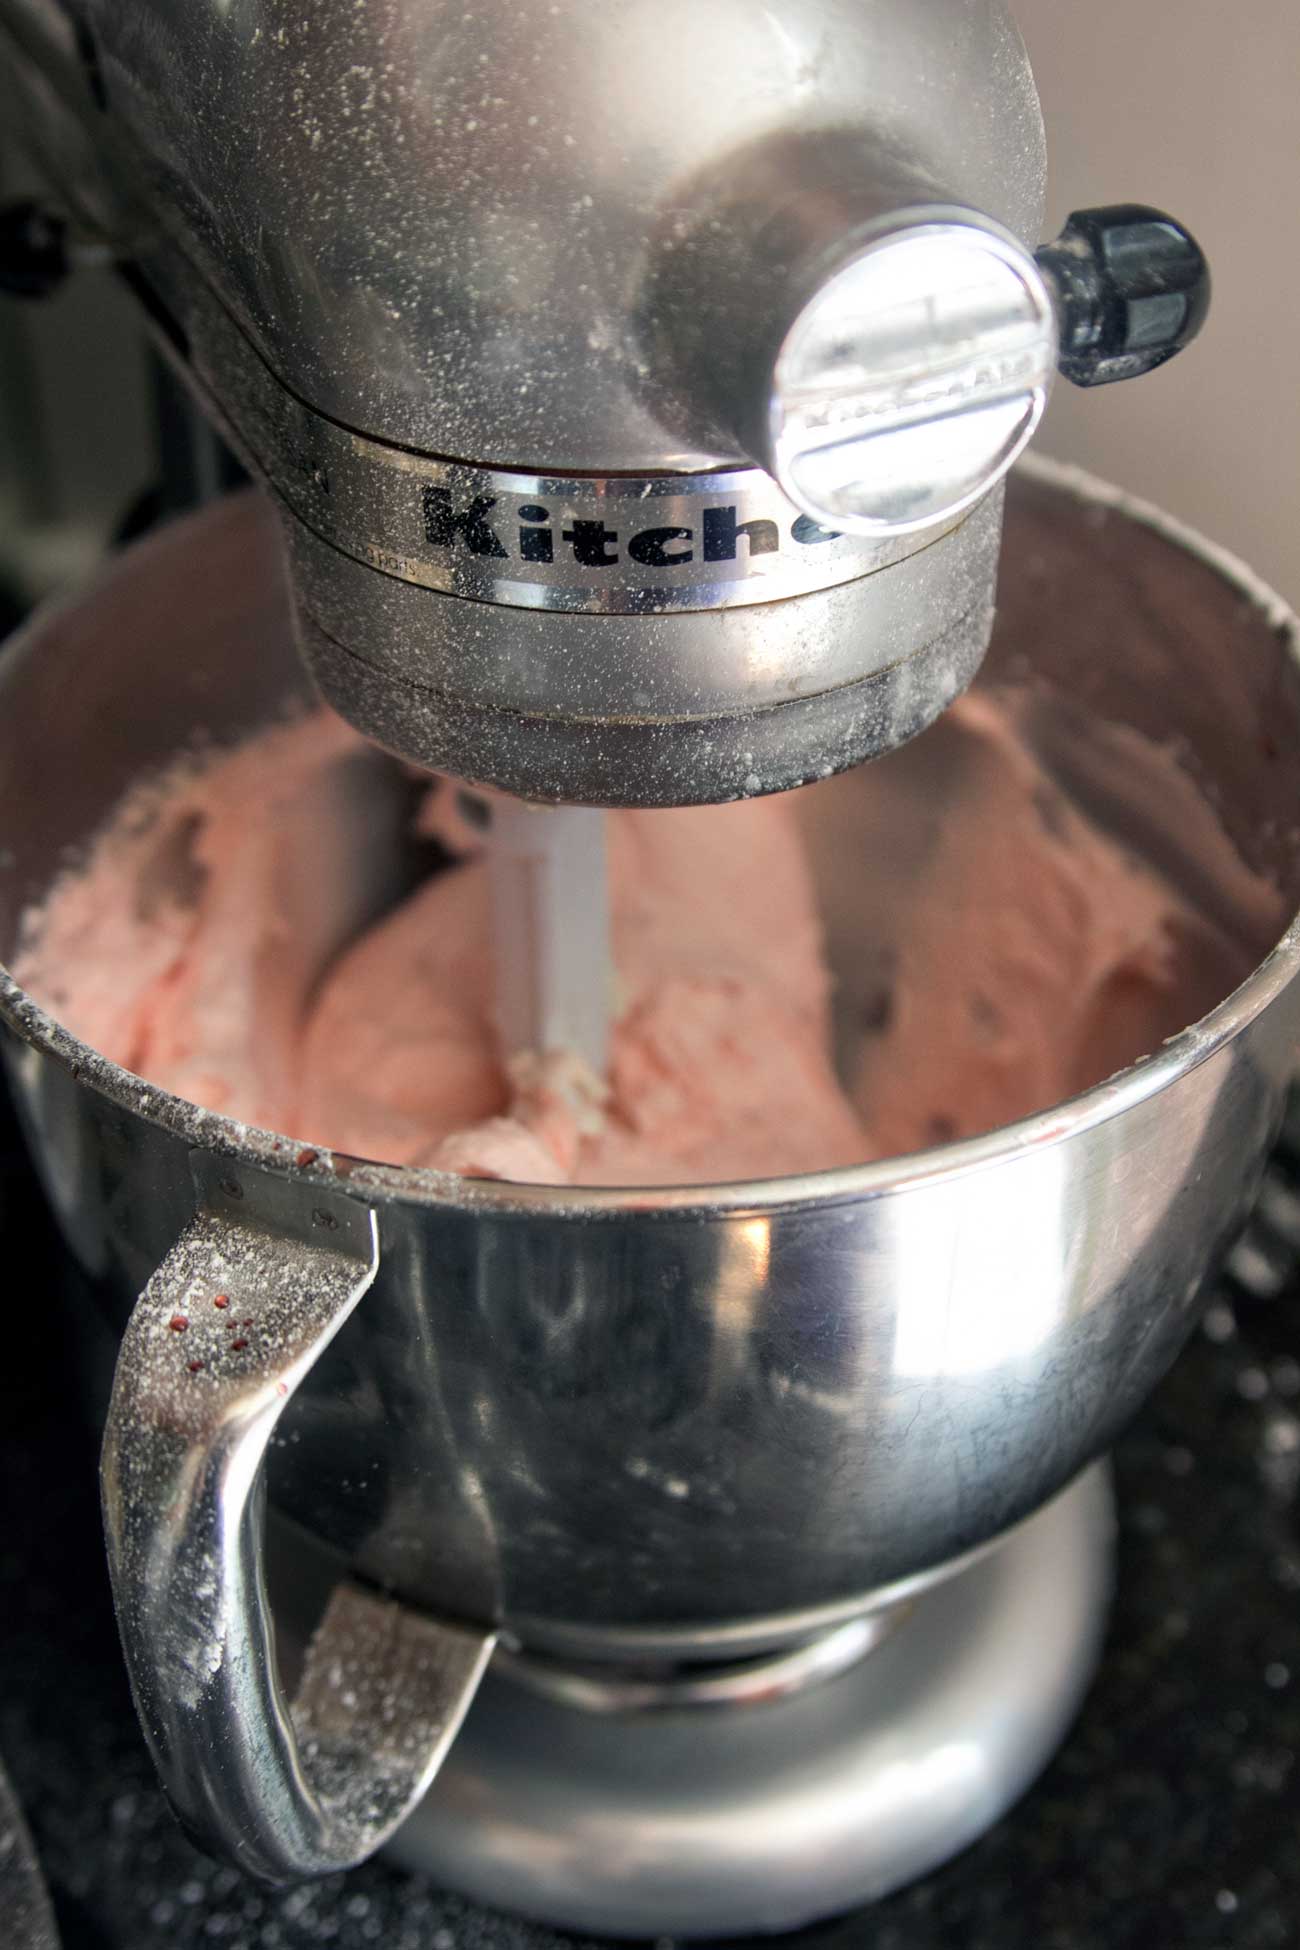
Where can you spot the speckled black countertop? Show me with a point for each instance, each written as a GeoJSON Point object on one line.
{"type": "Point", "coordinates": [1171, 1818]}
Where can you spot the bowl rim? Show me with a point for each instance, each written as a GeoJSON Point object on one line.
{"type": "Point", "coordinates": [376, 1182]}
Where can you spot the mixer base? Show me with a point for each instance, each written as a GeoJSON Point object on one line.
{"type": "Point", "coordinates": [763, 1817]}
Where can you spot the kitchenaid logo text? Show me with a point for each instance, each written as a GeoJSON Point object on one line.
{"type": "Point", "coordinates": [479, 528]}
{"type": "Point", "coordinates": [976, 382]}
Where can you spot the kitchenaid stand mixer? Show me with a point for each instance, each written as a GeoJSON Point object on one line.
{"type": "Point", "coordinates": [635, 389]}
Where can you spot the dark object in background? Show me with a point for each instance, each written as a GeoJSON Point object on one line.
{"type": "Point", "coordinates": [12, 609]}
{"type": "Point", "coordinates": [33, 250]}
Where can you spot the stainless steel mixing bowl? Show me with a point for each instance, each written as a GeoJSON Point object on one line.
{"type": "Point", "coordinates": [610, 1424]}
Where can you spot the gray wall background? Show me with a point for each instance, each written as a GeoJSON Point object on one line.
{"type": "Point", "coordinates": [1192, 105]}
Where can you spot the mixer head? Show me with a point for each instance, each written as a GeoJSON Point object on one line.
{"type": "Point", "coordinates": [634, 383]}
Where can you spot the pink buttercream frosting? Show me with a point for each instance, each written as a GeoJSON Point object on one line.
{"type": "Point", "coordinates": [210, 943]}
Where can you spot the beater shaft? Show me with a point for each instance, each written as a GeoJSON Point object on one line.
{"type": "Point", "coordinates": [550, 922]}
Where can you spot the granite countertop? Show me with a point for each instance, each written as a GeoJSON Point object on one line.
{"type": "Point", "coordinates": [1170, 1818]}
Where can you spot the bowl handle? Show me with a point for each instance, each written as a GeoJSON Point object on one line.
{"type": "Point", "coordinates": [252, 1292]}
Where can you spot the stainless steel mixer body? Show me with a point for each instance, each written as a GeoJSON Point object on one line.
{"type": "Point", "coordinates": [634, 384]}
{"type": "Point", "coordinates": [617, 1425]}
{"type": "Point", "coordinates": [492, 303]}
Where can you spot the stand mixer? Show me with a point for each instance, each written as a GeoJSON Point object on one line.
{"type": "Point", "coordinates": [634, 390]}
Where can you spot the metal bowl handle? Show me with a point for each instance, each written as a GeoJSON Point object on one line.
{"type": "Point", "coordinates": [224, 1332]}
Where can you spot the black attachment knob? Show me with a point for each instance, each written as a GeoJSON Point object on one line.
{"type": "Point", "coordinates": [1133, 288]}
{"type": "Point", "coordinates": [33, 250]}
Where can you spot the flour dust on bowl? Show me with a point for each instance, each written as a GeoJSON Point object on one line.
{"type": "Point", "coordinates": [758, 1515]}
